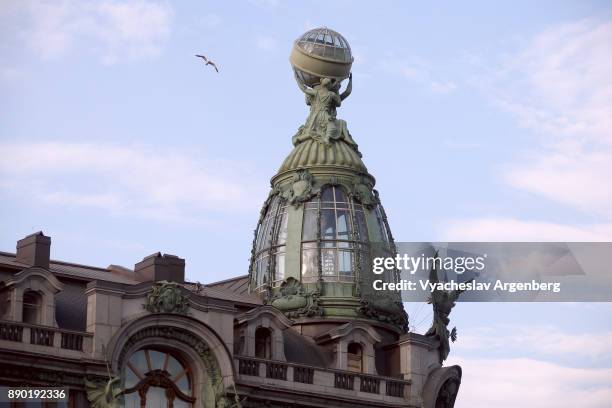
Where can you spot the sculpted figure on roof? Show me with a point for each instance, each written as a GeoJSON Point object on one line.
{"type": "Point", "coordinates": [322, 125]}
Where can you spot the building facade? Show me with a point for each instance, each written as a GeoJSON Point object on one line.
{"type": "Point", "coordinates": [303, 328]}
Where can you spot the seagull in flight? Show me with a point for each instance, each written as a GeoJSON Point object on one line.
{"type": "Point", "coordinates": [208, 62]}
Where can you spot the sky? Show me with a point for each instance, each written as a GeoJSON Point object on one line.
{"type": "Point", "coordinates": [480, 121]}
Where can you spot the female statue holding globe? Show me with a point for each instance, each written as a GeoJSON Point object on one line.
{"type": "Point", "coordinates": [321, 122]}
{"type": "Point", "coordinates": [322, 60]}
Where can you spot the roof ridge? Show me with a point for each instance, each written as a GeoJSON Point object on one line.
{"type": "Point", "coordinates": [227, 280]}
{"type": "Point", "coordinates": [58, 262]}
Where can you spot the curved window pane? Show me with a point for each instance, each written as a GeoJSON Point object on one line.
{"type": "Point", "coordinates": [157, 359]}
{"type": "Point", "coordinates": [340, 196]}
{"type": "Point", "coordinates": [310, 262]}
{"type": "Point", "coordinates": [139, 361]}
{"type": "Point", "coordinates": [343, 222]}
{"type": "Point", "coordinates": [130, 378]}
{"type": "Point", "coordinates": [279, 267]}
{"type": "Point", "coordinates": [183, 384]}
{"type": "Point", "coordinates": [156, 397]}
{"type": "Point", "coordinates": [381, 224]}
{"type": "Point", "coordinates": [174, 367]}
{"type": "Point", "coordinates": [261, 268]}
{"type": "Point", "coordinates": [264, 231]}
{"type": "Point", "coordinates": [336, 240]}
{"type": "Point", "coordinates": [153, 364]}
{"type": "Point", "coordinates": [328, 262]}
{"type": "Point", "coordinates": [132, 400]}
{"type": "Point", "coordinates": [282, 231]}
{"type": "Point", "coordinates": [328, 194]}
{"type": "Point", "coordinates": [309, 231]}
{"type": "Point", "coordinates": [345, 264]}
{"type": "Point", "coordinates": [362, 229]}
{"type": "Point", "coordinates": [328, 224]}
{"type": "Point", "coordinates": [271, 239]}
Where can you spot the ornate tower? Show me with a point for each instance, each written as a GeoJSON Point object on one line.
{"type": "Point", "coordinates": [323, 221]}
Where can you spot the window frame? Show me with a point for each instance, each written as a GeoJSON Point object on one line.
{"type": "Point", "coordinates": [268, 247]}
{"type": "Point", "coordinates": [160, 377]}
{"type": "Point", "coordinates": [356, 243]}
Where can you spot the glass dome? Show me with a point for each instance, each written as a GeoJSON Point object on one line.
{"type": "Point", "coordinates": [268, 262]}
{"type": "Point", "coordinates": [336, 239]}
{"type": "Point", "coordinates": [326, 43]}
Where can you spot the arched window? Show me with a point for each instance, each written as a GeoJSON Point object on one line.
{"type": "Point", "coordinates": [263, 343]}
{"type": "Point", "coordinates": [32, 305]}
{"type": "Point", "coordinates": [271, 237]}
{"type": "Point", "coordinates": [354, 357]}
{"type": "Point", "coordinates": [334, 233]}
{"type": "Point", "coordinates": [156, 378]}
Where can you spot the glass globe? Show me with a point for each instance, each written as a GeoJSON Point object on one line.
{"type": "Point", "coordinates": [321, 52]}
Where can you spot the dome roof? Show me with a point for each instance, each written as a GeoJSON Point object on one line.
{"type": "Point", "coordinates": [325, 43]}
{"type": "Point", "coordinates": [314, 154]}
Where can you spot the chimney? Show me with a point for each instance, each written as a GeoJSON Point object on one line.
{"type": "Point", "coordinates": [158, 267]}
{"type": "Point", "coordinates": [34, 250]}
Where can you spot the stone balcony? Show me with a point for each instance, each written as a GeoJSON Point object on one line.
{"type": "Point", "coordinates": [44, 339]}
{"type": "Point", "coordinates": [300, 378]}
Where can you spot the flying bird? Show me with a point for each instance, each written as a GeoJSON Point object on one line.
{"type": "Point", "coordinates": [208, 62]}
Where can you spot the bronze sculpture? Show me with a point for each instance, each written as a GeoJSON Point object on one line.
{"type": "Point", "coordinates": [443, 302]}
{"type": "Point", "coordinates": [322, 124]}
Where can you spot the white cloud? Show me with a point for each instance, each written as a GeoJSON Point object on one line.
{"type": "Point", "coordinates": [510, 229]}
{"type": "Point", "coordinates": [543, 340]}
{"type": "Point", "coordinates": [511, 383]}
{"type": "Point", "coordinates": [419, 71]}
{"type": "Point", "coordinates": [560, 85]}
{"type": "Point", "coordinates": [163, 185]}
{"type": "Point", "coordinates": [115, 31]}
{"type": "Point", "coordinates": [577, 177]}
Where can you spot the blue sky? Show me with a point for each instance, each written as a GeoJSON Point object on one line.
{"type": "Point", "coordinates": [480, 121]}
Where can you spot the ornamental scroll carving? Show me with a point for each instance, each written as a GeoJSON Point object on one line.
{"type": "Point", "coordinates": [166, 297]}
{"type": "Point", "coordinates": [301, 189]}
{"type": "Point", "coordinates": [294, 301]}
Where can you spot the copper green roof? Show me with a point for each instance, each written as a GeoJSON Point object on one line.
{"type": "Point", "coordinates": [312, 153]}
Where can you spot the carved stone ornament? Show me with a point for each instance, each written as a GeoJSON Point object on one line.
{"type": "Point", "coordinates": [384, 309]}
{"type": "Point", "coordinates": [294, 301]}
{"type": "Point", "coordinates": [362, 188]}
{"type": "Point", "coordinates": [166, 297]}
{"type": "Point", "coordinates": [104, 394]}
{"type": "Point", "coordinates": [447, 394]}
{"type": "Point", "coordinates": [301, 189]}
{"type": "Point", "coordinates": [222, 399]}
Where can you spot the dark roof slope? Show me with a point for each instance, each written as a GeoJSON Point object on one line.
{"type": "Point", "coordinates": [234, 289]}
{"type": "Point", "coordinates": [71, 270]}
